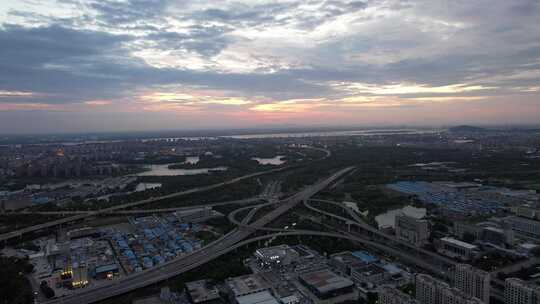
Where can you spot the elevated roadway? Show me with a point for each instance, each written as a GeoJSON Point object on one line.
{"type": "Point", "coordinates": [358, 225]}
{"type": "Point", "coordinates": [141, 211]}
{"type": "Point", "coordinates": [18, 233]}
{"type": "Point", "coordinates": [228, 242]}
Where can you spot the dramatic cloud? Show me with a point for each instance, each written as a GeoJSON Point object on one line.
{"type": "Point", "coordinates": [240, 63]}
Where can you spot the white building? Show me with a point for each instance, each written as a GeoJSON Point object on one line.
{"type": "Point", "coordinates": [412, 230]}
{"type": "Point", "coordinates": [281, 254]}
{"type": "Point", "coordinates": [245, 285]}
{"type": "Point", "coordinates": [456, 296]}
{"type": "Point", "coordinates": [456, 249]}
{"type": "Point", "coordinates": [428, 289]}
{"type": "Point", "coordinates": [517, 291]}
{"type": "Point", "coordinates": [432, 291]}
{"type": "Point", "coordinates": [523, 227]}
{"type": "Point", "coordinates": [262, 297]}
{"type": "Point", "coordinates": [472, 281]}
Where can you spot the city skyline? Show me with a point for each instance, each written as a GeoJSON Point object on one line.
{"type": "Point", "coordinates": [75, 66]}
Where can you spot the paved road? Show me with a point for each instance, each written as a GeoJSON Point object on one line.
{"type": "Point", "coordinates": [20, 232]}
{"type": "Point", "coordinates": [496, 292]}
{"type": "Point", "coordinates": [139, 211]}
{"type": "Point", "coordinates": [390, 239]}
{"type": "Point", "coordinates": [199, 257]}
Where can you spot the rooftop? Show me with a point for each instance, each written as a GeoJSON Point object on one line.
{"type": "Point", "coordinates": [325, 280]}
{"type": "Point", "coordinates": [458, 243]}
{"type": "Point", "coordinates": [346, 257]}
{"type": "Point", "coordinates": [263, 297]}
{"type": "Point", "coordinates": [364, 257]}
{"type": "Point", "coordinates": [275, 252]}
{"type": "Point", "coordinates": [246, 284]}
{"type": "Point", "coordinates": [368, 270]}
{"type": "Point", "coordinates": [200, 291]}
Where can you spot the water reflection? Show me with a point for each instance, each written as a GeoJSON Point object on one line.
{"type": "Point", "coordinates": [276, 160]}
{"type": "Point", "coordinates": [164, 170]}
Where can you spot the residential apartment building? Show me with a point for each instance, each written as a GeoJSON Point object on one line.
{"type": "Point", "coordinates": [472, 281]}
{"type": "Point", "coordinates": [433, 291]}
{"type": "Point", "coordinates": [517, 291]}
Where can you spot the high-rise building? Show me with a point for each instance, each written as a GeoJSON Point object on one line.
{"type": "Point", "coordinates": [472, 281]}
{"type": "Point", "coordinates": [428, 289]}
{"type": "Point", "coordinates": [456, 296]}
{"type": "Point", "coordinates": [390, 295]}
{"type": "Point", "coordinates": [523, 227]}
{"type": "Point", "coordinates": [517, 291]}
{"type": "Point", "coordinates": [412, 230]}
{"type": "Point", "coordinates": [432, 291]}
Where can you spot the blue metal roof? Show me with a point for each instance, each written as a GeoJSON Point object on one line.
{"type": "Point", "coordinates": [365, 257]}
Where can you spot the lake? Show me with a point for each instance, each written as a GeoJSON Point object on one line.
{"type": "Point", "coordinates": [163, 170]}
{"type": "Point", "coordinates": [276, 160]}
{"type": "Point", "coordinates": [388, 218]}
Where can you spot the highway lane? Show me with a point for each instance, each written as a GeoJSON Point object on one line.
{"type": "Point", "coordinates": [496, 292]}
{"type": "Point", "coordinates": [18, 233]}
{"type": "Point", "coordinates": [203, 255]}
{"type": "Point", "coordinates": [119, 289]}
{"type": "Point", "coordinates": [138, 211]}
{"type": "Point", "coordinates": [389, 238]}
{"type": "Point", "coordinates": [414, 255]}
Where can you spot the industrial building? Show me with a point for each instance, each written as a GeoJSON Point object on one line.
{"type": "Point", "coordinates": [155, 240]}
{"type": "Point", "coordinates": [245, 285]}
{"type": "Point", "coordinates": [524, 227]}
{"type": "Point", "coordinates": [454, 199]}
{"type": "Point", "coordinates": [366, 270]}
{"type": "Point", "coordinates": [370, 275]}
{"type": "Point", "coordinates": [328, 287]}
{"type": "Point", "coordinates": [106, 271]}
{"type": "Point", "coordinates": [499, 234]}
{"type": "Point", "coordinates": [201, 292]}
{"type": "Point", "coordinates": [344, 261]}
{"type": "Point", "coordinates": [282, 255]}
{"type": "Point", "coordinates": [456, 249]}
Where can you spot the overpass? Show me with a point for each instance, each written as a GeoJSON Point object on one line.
{"type": "Point", "coordinates": [172, 268]}
{"type": "Point", "coordinates": [20, 232]}
{"type": "Point", "coordinates": [359, 226]}
{"type": "Point", "coordinates": [141, 211]}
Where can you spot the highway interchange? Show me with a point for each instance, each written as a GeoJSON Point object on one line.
{"type": "Point", "coordinates": [352, 228]}
{"type": "Point", "coordinates": [79, 216]}
{"type": "Point", "coordinates": [199, 257]}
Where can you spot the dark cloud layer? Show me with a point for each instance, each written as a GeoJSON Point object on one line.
{"type": "Point", "coordinates": [268, 51]}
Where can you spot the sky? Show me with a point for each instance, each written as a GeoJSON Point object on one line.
{"type": "Point", "coordinates": [119, 65]}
